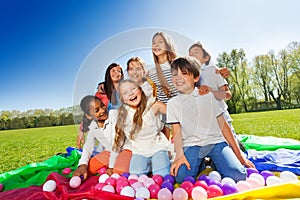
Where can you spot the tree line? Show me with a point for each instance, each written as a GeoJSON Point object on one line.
{"type": "Point", "coordinates": [268, 82]}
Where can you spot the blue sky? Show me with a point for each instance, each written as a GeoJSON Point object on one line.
{"type": "Point", "coordinates": [45, 45]}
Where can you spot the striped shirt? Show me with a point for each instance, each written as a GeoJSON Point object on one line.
{"type": "Point", "coordinates": [166, 69]}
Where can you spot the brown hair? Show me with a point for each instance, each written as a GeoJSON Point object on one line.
{"type": "Point", "coordinates": [204, 52]}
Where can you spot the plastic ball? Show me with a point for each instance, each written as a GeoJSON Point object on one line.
{"type": "Point", "coordinates": [1, 187]}
{"type": "Point", "coordinates": [142, 177]}
{"type": "Point", "coordinates": [227, 180]}
{"type": "Point", "coordinates": [108, 188]}
{"type": "Point", "coordinates": [190, 179]}
{"type": "Point", "coordinates": [254, 182]}
{"type": "Point", "coordinates": [137, 185]}
{"type": "Point", "coordinates": [158, 179]}
{"type": "Point", "coordinates": [99, 186]}
{"type": "Point", "coordinates": [115, 176]}
{"type": "Point", "coordinates": [202, 184]}
{"type": "Point", "coordinates": [214, 175]}
{"type": "Point", "coordinates": [203, 177]}
{"type": "Point", "coordinates": [168, 185]}
{"type": "Point", "coordinates": [154, 189]}
{"type": "Point", "coordinates": [187, 186]}
{"type": "Point", "coordinates": [132, 181]}
{"type": "Point", "coordinates": [103, 178]}
{"type": "Point", "coordinates": [199, 193]}
{"type": "Point", "coordinates": [251, 171]}
{"type": "Point", "coordinates": [164, 194]}
{"type": "Point", "coordinates": [111, 181]}
{"type": "Point", "coordinates": [169, 178]}
{"type": "Point", "coordinates": [229, 188]}
{"type": "Point", "coordinates": [148, 181]}
{"type": "Point", "coordinates": [49, 186]}
{"type": "Point", "coordinates": [121, 179]}
{"type": "Point", "coordinates": [180, 194]}
{"type": "Point", "coordinates": [142, 193]}
{"type": "Point", "coordinates": [243, 186]}
{"type": "Point", "coordinates": [75, 181]}
{"type": "Point", "coordinates": [266, 174]}
{"type": "Point", "coordinates": [214, 191]}
{"type": "Point", "coordinates": [133, 176]}
{"type": "Point", "coordinates": [273, 180]}
{"type": "Point", "coordinates": [259, 178]}
{"type": "Point", "coordinates": [214, 182]}
{"type": "Point", "coordinates": [125, 174]}
{"type": "Point", "coordinates": [288, 176]}
{"type": "Point", "coordinates": [66, 171]}
{"type": "Point", "coordinates": [121, 185]}
{"type": "Point", "coordinates": [102, 170]}
{"type": "Point", "coordinates": [127, 191]}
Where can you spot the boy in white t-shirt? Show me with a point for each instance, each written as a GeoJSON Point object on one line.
{"type": "Point", "coordinates": [199, 128]}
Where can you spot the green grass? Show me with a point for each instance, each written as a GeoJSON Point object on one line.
{"type": "Point", "coordinates": [281, 123]}
{"type": "Point", "coordinates": [25, 146]}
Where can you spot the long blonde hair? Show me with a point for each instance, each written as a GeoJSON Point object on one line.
{"type": "Point", "coordinates": [171, 55]}
{"type": "Point", "coordinates": [122, 118]}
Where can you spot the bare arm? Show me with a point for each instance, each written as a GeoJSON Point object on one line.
{"type": "Point", "coordinates": [222, 93]}
{"type": "Point", "coordinates": [232, 142]}
{"type": "Point", "coordinates": [159, 107]}
{"type": "Point", "coordinates": [225, 72]}
{"type": "Point", "coordinates": [180, 158]}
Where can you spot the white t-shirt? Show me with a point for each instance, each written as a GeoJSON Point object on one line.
{"type": "Point", "coordinates": [197, 115]}
{"type": "Point", "coordinates": [209, 77]}
{"type": "Point", "coordinates": [104, 135]}
{"type": "Point", "coordinates": [148, 90]}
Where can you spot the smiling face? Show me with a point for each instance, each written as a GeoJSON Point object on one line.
{"type": "Point", "coordinates": [184, 82]}
{"type": "Point", "coordinates": [136, 72]}
{"type": "Point", "coordinates": [115, 73]}
{"type": "Point", "coordinates": [97, 110]}
{"type": "Point", "coordinates": [159, 46]}
{"type": "Point", "coordinates": [131, 94]}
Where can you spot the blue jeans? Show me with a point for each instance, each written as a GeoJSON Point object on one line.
{"type": "Point", "coordinates": [224, 160]}
{"type": "Point", "coordinates": [159, 163]}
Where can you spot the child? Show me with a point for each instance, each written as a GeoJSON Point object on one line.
{"type": "Point", "coordinates": [163, 54]}
{"type": "Point", "coordinates": [101, 94]}
{"type": "Point", "coordinates": [100, 129]}
{"type": "Point", "coordinates": [83, 128]}
{"type": "Point", "coordinates": [136, 72]}
{"type": "Point", "coordinates": [113, 75]}
{"type": "Point", "coordinates": [199, 128]}
{"type": "Point", "coordinates": [213, 81]}
{"type": "Point", "coordinates": [138, 129]}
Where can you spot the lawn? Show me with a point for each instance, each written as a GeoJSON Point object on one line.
{"type": "Point", "coordinates": [25, 146]}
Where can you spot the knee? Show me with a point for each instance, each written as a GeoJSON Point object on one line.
{"type": "Point", "coordinates": [238, 174]}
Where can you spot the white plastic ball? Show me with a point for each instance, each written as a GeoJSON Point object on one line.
{"type": "Point", "coordinates": [127, 191]}
{"type": "Point", "coordinates": [227, 180]}
{"type": "Point", "coordinates": [142, 193]}
{"type": "Point", "coordinates": [49, 186]}
{"type": "Point", "coordinates": [214, 175]}
{"type": "Point", "coordinates": [259, 177]}
{"type": "Point", "coordinates": [75, 181]}
{"type": "Point", "coordinates": [288, 176]}
{"type": "Point", "coordinates": [273, 180]}
{"type": "Point", "coordinates": [103, 178]}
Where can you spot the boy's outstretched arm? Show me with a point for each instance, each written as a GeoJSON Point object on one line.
{"type": "Point", "coordinates": [178, 145]}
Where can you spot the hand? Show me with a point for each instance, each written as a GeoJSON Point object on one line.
{"type": "Point", "coordinates": [109, 171]}
{"type": "Point", "coordinates": [203, 89]}
{"type": "Point", "coordinates": [81, 170]}
{"type": "Point", "coordinates": [225, 72]}
{"type": "Point", "coordinates": [177, 163]}
{"type": "Point", "coordinates": [247, 163]}
{"type": "Point", "coordinates": [80, 140]}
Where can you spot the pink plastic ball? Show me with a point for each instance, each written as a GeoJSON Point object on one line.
{"type": "Point", "coordinates": [67, 171]}
{"type": "Point", "coordinates": [158, 179]}
{"type": "Point", "coordinates": [199, 193]}
{"type": "Point", "coordinates": [137, 185]}
{"type": "Point", "coordinates": [121, 179]}
{"type": "Point", "coordinates": [254, 182]}
{"type": "Point", "coordinates": [133, 176]}
{"type": "Point", "coordinates": [75, 181]}
{"type": "Point", "coordinates": [188, 187]}
{"type": "Point", "coordinates": [132, 181]}
{"type": "Point", "coordinates": [102, 170]}
{"type": "Point", "coordinates": [147, 182]}
{"type": "Point", "coordinates": [180, 194]}
{"type": "Point", "coordinates": [201, 184]}
{"type": "Point", "coordinates": [214, 191]}
{"type": "Point", "coordinates": [1, 187]}
{"type": "Point", "coordinates": [142, 177]}
{"type": "Point", "coordinates": [121, 185]}
{"type": "Point", "coordinates": [154, 189]}
{"type": "Point", "coordinates": [99, 186]}
{"type": "Point", "coordinates": [164, 194]}
{"type": "Point", "coordinates": [243, 186]}
{"type": "Point", "coordinates": [111, 181]}
{"type": "Point", "coordinates": [108, 188]}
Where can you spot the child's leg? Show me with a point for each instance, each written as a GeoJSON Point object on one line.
{"type": "Point", "coordinates": [98, 161]}
{"type": "Point", "coordinates": [122, 162]}
{"type": "Point", "coordinates": [227, 163]}
{"type": "Point", "coordinates": [192, 155]}
{"type": "Point", "coordinates": [160, 163]}
{"type": "Point", "coordinates": [139, 164]}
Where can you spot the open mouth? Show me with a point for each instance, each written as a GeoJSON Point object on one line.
{"type": "Point", "coordinates": [133, 98]}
